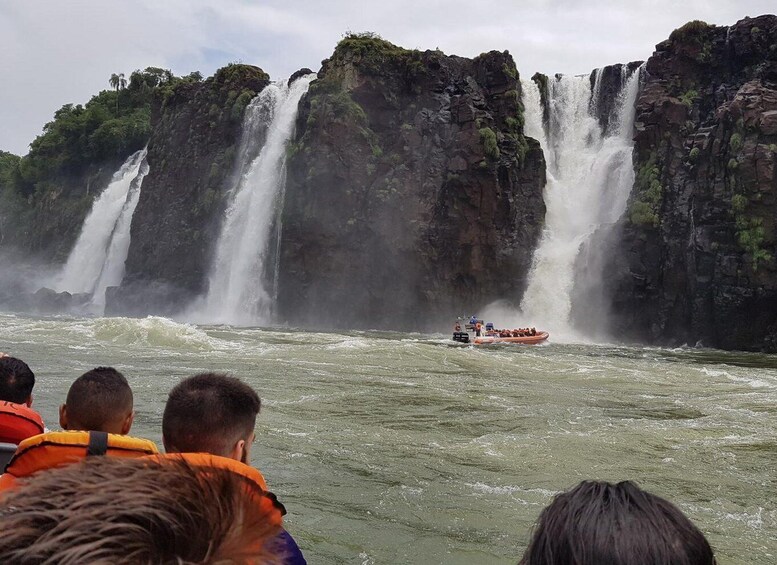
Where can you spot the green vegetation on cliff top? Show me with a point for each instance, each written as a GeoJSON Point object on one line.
{"type": "Point", "coordinates": [85, 143]}
{"type": "Point", "coordinates": [112, 125]}
{"type": "Point", "coordinates": [694, 29]}
{"type": "Point", "coordinates": [370, 52]}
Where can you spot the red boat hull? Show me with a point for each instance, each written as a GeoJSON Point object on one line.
{"type": "Point", "coordinates": [528, 340]}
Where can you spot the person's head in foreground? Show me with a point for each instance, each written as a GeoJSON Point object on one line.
{"type": "Point", "coordinates": [108, 510]}
{"type": "Point", "coordinates": [598, 522]}
{"type": "Point", "coordinates": [16, 381]}
{"type": "Point", "coordinates": [211, 413]}
{"type": "Point", "coordinates": [100, 400]}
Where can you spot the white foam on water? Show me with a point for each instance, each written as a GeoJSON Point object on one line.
{"type": "Point", "coordinates": [154, 331]}
{"type": "Point", "coordinates": [510, 489]}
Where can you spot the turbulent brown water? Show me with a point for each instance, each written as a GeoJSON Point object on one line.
{"type": "Point", "coordinates": [390, 448]}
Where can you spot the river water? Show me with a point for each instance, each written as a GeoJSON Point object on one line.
{"type": "Point", "coordinates": [390, 448]}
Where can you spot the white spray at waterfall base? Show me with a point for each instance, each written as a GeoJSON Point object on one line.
{"type": "Point", "coordinates": [589, 178]}
{"type": "Point", "coordinates": [97, 259]}
{"type": "Point", "coordinates": [237, 291]}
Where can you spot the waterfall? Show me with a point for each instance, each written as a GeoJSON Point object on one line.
{"type": "Point", "coordinates": [113, 268]}
{"type": "Point", "coordinates": [589, 178]}
{"type": "Point", "coordinates": [97, 259]}
{"type": "Point", "coordinates": [238, 281]}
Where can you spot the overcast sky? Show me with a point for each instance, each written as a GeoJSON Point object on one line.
{"type": "Point", "coordinates": [56, 52]}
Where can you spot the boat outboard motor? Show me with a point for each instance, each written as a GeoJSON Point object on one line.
{"type": "Point", "coordinates": [461, 337]}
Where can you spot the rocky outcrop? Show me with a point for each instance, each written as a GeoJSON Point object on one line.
{"type": "Point", "coordinates": [412, 193]}
{"type": "Point", "coordinates": [607, 84]}
{"type": "Point", "coordinates": [698, 245]}
{"type": "Point", "coordinates": [191, 157]}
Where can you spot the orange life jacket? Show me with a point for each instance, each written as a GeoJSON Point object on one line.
{"type": "Point", "coordinates": [267, 502]}
{"type": "Point", "coordinates": [18, 422]}
{"type": "Point", "coordinates": [209, 460]}
{"type": "Point", "coordinates": [56, 449]}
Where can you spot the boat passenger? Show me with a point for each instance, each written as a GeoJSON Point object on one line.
{"type": "Point", "coordinates": [216, 414]}
{"type": "Point", "coordinates": [18, 420]}
{"type": "Point", "coordinates": [97, 416]}
{"type": "Point", "coordinates": [107, 510]}
{"type": "Point", "coordinates": [622, 525]}
{"type": "Point", "coordinates": [99, 400]}
{"type": "Point", "coordinates": [533, 331]}
{"type": "Point", "coordinates": [477, 329]}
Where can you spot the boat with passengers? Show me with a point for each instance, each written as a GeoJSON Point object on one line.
{"type": "Point", "coordinates": [473, 330]}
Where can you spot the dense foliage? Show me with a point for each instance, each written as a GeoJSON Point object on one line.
{"type": "Point", "coordinates": [77, 149]}
{"type": "Point", "coordinates": [113, 124]}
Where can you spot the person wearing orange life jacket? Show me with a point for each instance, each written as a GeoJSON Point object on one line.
{"type": "Point", "coordinates": [18, 420]}
{"type": "Point", "coordinates": [478, 327]}
{"type": "Point", "coordinates": [52, 450]}
{"type": "Point", "coordinates": [99, 400]}
{"type": "Point", "coordinates": [213, 414]}
{"type": "Point", "coordinates": [98, 413]}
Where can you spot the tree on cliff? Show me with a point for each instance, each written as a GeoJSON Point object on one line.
{"type": "Point", "coordinates": [118, 82]}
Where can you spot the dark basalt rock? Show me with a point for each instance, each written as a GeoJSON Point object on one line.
{"type": "Point", "coordinates": [698, 247]}
{"type": "Point", "coordinates": [605, 91]}
{"type": "Point", "coordinates": [412, 192]}
{"type": "Point", "coordinates": [191, 156]}
{"type": "Point", "coordinates": [300, 73]}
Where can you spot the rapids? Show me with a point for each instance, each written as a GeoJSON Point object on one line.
{"type": "Point", "coordinates": [392, 448]}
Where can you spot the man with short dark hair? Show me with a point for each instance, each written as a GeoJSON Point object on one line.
{"type": "Point", "coordinates": [212, 413]}
{"type": "Point", "coordinates": [16, 381]}
{"type": "Point", "coordinates": [216, 413]}
{"type": "Point", "coordinates": [18, 420]}
{"type": "Point", "coordinates": [100, 400]}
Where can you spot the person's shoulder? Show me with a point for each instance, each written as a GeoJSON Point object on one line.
{"type": "Point", "coordinates": [291, 549]}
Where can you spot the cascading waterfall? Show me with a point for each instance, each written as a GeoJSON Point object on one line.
{"type": "Point", "coordinates": [589, 178]}
{"type": "Point", "coordinates": [113, 268]}
{"type": "Point", "coordinates": [237, 291]}
{"type": "Point", "coordinates": [97, 259]}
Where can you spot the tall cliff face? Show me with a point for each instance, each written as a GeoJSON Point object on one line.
{"type": "Point", "coordinates": [697, 256]}
{"type": "Point", "coordinates": [191, 156]}
{"type": "Point", "coordinates": [412, 193]}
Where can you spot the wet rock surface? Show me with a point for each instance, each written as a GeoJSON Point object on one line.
{"type": "Point", "coordinates": [191, 157]}
{"type": "Point", "coordinates": [412, 192]}
{"type": "Point", "coordinates": [696, 262]}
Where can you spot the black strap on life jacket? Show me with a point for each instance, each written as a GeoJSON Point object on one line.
{"type": "Point", "coordinates": [98, 444]}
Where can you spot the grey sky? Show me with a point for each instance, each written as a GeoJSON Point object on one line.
{"type": "Point", "coordinates": [56, 52]}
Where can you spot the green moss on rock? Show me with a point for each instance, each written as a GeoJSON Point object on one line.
{"type": "Point", "coordinates": [490, 144]}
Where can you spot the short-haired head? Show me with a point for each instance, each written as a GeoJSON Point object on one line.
{"type": "Point", "coordinates": [213, 413]}
{"type": "Point", "coordinates": [99, 400]}
{"type": "Point", "coordinates": [620, 524]}
{"type": "Point", "coordinates": [117, 510]}
{"type": "Point", "coordinates": [16, 381]}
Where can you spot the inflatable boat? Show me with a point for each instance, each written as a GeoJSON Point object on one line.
{"type": "Point", "coordinates": [527, 339]}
